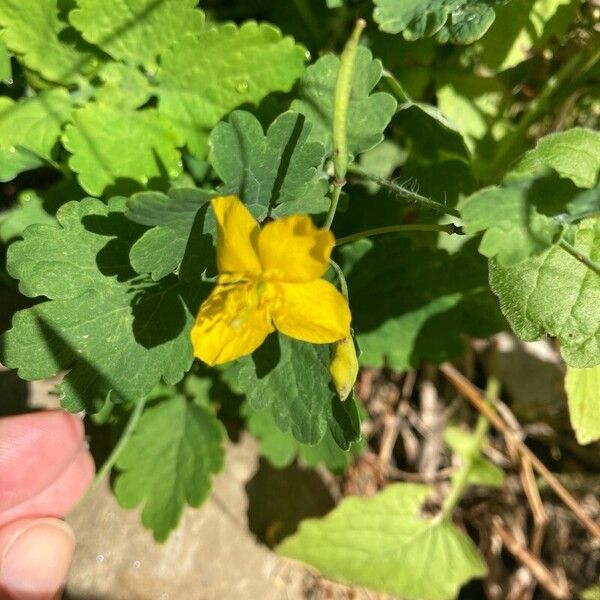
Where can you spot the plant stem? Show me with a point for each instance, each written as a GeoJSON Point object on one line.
{"type": "Point", "coordinates": [343, 89]}
{"type": "Point", "coordinates": [396, 87]}
{"type": "Point", "coordinates": [473, 395]}
{"type": "Point", "coordinates": [450, 229]}
{"type": "Point", "coordinates": [341, 278]}
{"type": "Point", "coordinates": [582, 258]}
{"type": "Point", "coordinates": [403, 192]}
{"type": "Point", "coordinates": [109, 463]}
{"type": "Point", "coordinates": [579, 63]}
{"type": "Point", "coordinates": [462, 478]}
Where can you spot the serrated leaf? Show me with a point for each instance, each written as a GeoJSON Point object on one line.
{"type": "Point", "coordinates": [124, 86]}
{"type": "Point", "coordinates": [37, 32]}
{"type": "Point", "coordinates": [574, 153]}
{"type": "Point", "coordinates": [292, 379]}
{"type": "Point", "coordinates": [277, 173]}
{"type": "Point", "coordinates": [368, 113]}
{"type": "Point", "coordinates": [427, 301]}
{"type": "Point", "coordinates": [136, 31]}
{"type": "Point", "coordinates": [523, 27]}
{"type": "Point", "coordinates": [29, 130]}
{"type": "Point", "coordinates": [281, 448]}
{"type": "Point", "coordinates": [554, 294]}
{"type": "Point", "coordinates": [117, 332]}
{"type": "Point", "coordinates": [168, 462]}
{"type": "Point", "coordinates": [161, 250]}
{"type": "Point", "coordinates": [202, 78]}
{"type": "Point", "coordinates": [382, 543]}
{"type": "Point", "coordinates": [109, 144]}
{"type": "Point", "coordinates": [583, 393]}
{"type": "Point", "coordinates": [517, 218]}
{"type": "Point", "coordinates": [457, 21]}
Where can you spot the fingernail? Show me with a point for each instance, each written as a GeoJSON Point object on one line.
{"type": "Point", "coordinates": [36, 562]}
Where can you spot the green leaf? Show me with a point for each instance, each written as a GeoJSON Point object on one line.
{"type": "Point", "coordinates": [169, 461]}
{"type": "Point", "coordinates": [125, 86]}
{"type": "Point", "coordinates": [555, 294]}
{"type": "Point", "coordinates": [29, 211]}
{"type": "Point", "coordinates": [281, 448]}
{"type": "Point", "coordinates": [523, 27]}
{"type": "Point", "coordinates": [516, 218]}
{"type": "Point", "coordinates": [382, 543]}
{"type": "Point", "coordinates": [161, 250]}
{"type": "Point", "coordinates": [108, 144]}
{"type": "Point", "coordinates": [203, 78]}
{"type": "Point", "coordinates": [276, 174]}
{"type": "Point", "coordinates": [368, 114]}
{"type": "Point", "coordinates": [481, 470]}
{"type": "Point", "coordinates": [116, 331]}
{"type": "Point", "coordinates": [426, 301]}
{"type": "Point", "coordinates": [431, 136]}
{"type": "Point", "coordinates": [136, 31]}
{"type": "Point", "coordinates": [5, 66]}
{"type": "Point", "coordinates": [292, 379]}
{"type": "Point", "coordinates": [583, 392]}
{"type": "Point", "coordinates": [29, 130]}
{"type": "Point", "coordinates": [574, 153]}
{"type": "Point", "coordinates": [36, 31]}
{"type": "Point", "coordinates": [457, 21]}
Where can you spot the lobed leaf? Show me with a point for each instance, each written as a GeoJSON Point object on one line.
{"type": "Point", "coordinates": [116, 332]}
{"type": "Point", "coordinates": [29, 130]}
{"type": "Point", "coordinates": [381, 542]}
{"type": "Point", "coordinates": [101, 158]}
{"type": "Point", "coordinates": [368, 113]}
{"type": "Point", "coordinates": [554, 294]}
{"type": "Point", "coordinates": [38, 33]}
{"type": "Point", "coordinates": [277, 173]}
{"type": "Point", "coordinates": [136, 31]}
{"type": "Point", "coordinates": [411, 304]}
{"type": "Point", "coordinates": [202, 78]}
{"type": "Point", "coordinates": [169, 461]}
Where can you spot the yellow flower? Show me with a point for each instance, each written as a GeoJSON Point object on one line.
{"type": "Point", "coordinates": [269, 279]}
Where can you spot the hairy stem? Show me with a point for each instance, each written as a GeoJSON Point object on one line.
{"type": "Point", "coordinates": [403, 192]}
{"type": "Point", "coordinates": [341, 278]}
{"type": "Point", "coordinates": [450, 229]}
{"type": "Point", "coordinates": [582, 258]}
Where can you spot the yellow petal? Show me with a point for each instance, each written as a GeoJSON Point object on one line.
{"type": "Point", "coordinates": [293, 249]}
{"type": "Point", "coordinates": [237, 235]}
{"type": "Point", "coordinates": [313, 312]}
{"type": "Point", "coordinates": [344, 367]}
{"type": "Point", "coordinates": [232, 322]}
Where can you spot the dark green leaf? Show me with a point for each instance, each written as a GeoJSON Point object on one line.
{"type": "Point", "coordinates": [277, 173]}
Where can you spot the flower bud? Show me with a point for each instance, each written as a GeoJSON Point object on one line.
{"type": "Point", "coordinates": [344, 367]}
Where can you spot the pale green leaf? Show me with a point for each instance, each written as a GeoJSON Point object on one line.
{"type": "Point", "coordinates": [427, 301]}
{"type": "Point", "coordinates": [38, 33]}
{"type": "Point", "coordinates": [202, 78]}
{"type": "Point", "coordinates": [136, 31]}
{"type": "Point", "coordinates": [583, 393]}
{"type": "Point", "coordinates": [381, 542]}
{"type": "Point", "coordinates": [276, 173]}
{"type": "Point", "coordinates": [29, 130]}
{"type": "Point", "coordinates": [523, 27]}
{"type": "Point", "coordinates": [5, 66]}
{"type": "Point", "coordinates": [108, 144]}
{"type": "Point", "coordinates": [555, 294]}
{"type": "Point", "coordinates": [161, 250]}
{"type": "Point", "coordinates": [116, 331]}
{"type": "Point", "coordinates": [368, 113]}
{"type": "Point", "coordinates": [168, 462]}
{"type": "Point", "coordinates": [123, 86]}
{"type": "Point", "coordinates": [574, 153]}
